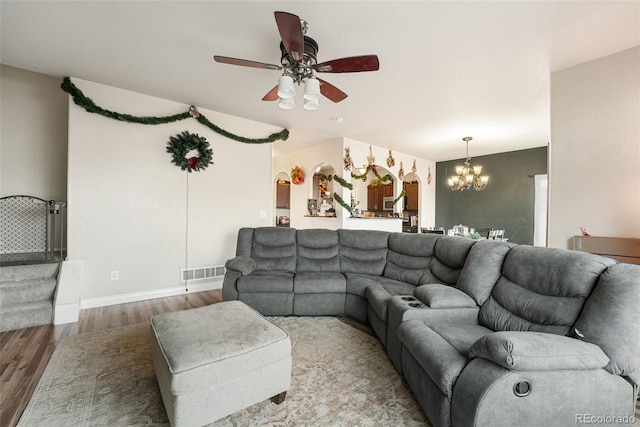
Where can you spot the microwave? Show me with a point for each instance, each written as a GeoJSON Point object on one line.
{"type": "Point", "coordinates": [387, 203]}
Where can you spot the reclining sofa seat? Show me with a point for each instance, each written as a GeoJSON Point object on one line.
{"type": "Point", "coordinates": [414, 260]}
{"type": "Point", "coordinates": [455, 302]}
{"type": "Point", "coordinates": [319, 286]}
{"type": "Point", "coordinates": [363, 256]}
{"type": "Point", "coordinates": [465, 374]}
{"type": "Point", "coordinates": [261, 274]}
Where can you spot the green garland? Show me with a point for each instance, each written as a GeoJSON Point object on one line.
{"type": "Point", "coordinates": [349, 186]}
{"type": "Point", "coordinates": [87, 103]}
{"type": "Point", "coordinates": [363, 176]}
{"type": "Point", "coordinates": [399, 197]}
{"type": "Point", "coordinates": [184, 142]}
{"type": "Point", "coordinates": [342, 182]}
{"type": "Point", "coordinates": [342, 203]}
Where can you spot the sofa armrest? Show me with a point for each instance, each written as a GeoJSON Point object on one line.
{"type": "Point", "coordinates": [242, 264]}
{"type": "Point", "coordinates": [538, 351]}
{"type": "Point", "coordinates": [443, 296]}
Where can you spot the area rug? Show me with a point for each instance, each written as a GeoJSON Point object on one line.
{"type": "Point", "coordinates": [341, 377]}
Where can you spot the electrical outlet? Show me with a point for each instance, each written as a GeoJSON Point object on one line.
{"type": "Point", "coordinates": [263, 214]}
{"type": "Point", "coordinates": [115, 275]}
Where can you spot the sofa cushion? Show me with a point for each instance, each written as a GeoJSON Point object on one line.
{"type": "Point", "coordinates": [319, 282]}
{"type": "Point", "coordinates": [449, 257]}
{"type": "Point", "coordinates": [541, 289]}
{"type": "Point", "coordinates": [409, 256]}
{"type": "Point", "coordinates": [318, 250]}
{"type": "Point", "coordinates": [357, 284]}
{"type": "Point", "coordinates": [266, 281]}
{"type": "Point", "coordinates": [537, 351]}
{"type": "Point", "coordinates": [611, 317]}
{"type": "Point", "coordinates": [483, 268]}
{"type": "Point", "coordinates": [274, 248]}
{"type": "Point", "coordinates": [443, 296]}
{"type": "Point", "coordinates": [245, 241]}
{"type": "Point", "coordinates": [363, 251]}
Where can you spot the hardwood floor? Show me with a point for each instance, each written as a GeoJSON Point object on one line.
{"type": "Point", "coordinates": [24, 353]}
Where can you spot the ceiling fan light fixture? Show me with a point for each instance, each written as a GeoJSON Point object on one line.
{"type": "Point", "coordinates": [287, 103]}
{"type": "Point", "coordinates": [299, 64]}
{"type": "Point", "coordinates": [311, 104]}
{"type": "Point", "coordinates": [312, 89]}
{"type": "Point", "coordinates": [285, 87]}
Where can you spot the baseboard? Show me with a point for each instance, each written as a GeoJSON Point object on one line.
{"type": "Point", "coordinates": [145, 295]}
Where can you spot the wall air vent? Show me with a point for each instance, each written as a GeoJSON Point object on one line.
{"type": "Point", "coordinates": [202, 273]}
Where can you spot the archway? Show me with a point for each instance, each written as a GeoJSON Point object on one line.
{"type": "Point", "coordinates": [411, 211]}
{"type": "Point", "coordinates": [282, 199]}
{"type": "Point", "coordinates": [374, 191]}
{"type": "Point", "coordinates": [321, 191]}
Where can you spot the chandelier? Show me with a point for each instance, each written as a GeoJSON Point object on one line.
{"type": "Point", "coordinates": [299, 72]}
{"type": "Point", "coordinates": [468, 176]}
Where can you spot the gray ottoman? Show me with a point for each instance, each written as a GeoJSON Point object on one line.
{"type": "Point", "coordinates": [216, 360]}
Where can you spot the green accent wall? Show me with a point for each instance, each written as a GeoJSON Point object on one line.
{"type": "Point", "coordinates": [506, 203]}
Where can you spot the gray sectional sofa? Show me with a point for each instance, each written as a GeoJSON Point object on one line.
{"type": "Point", "coordinates": [485, 333]}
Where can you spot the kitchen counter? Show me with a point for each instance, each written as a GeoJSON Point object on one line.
{"type": "Point", "coordinates": [381, 223]}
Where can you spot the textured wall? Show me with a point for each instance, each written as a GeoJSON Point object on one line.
{"type": "Point", "coordinates": [507, 202]}
{"type": "Point", "coordinates": [34, 135]}
{"type": "Point", "coordinates": [132, 210]}
{"type": "Point", "coordinates": [595, 149]}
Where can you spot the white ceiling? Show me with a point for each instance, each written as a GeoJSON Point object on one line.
{"type": "Point", "coordinates": [447, 69]}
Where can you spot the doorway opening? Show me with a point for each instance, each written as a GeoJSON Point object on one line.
{"type": "Point", "coordinates": [283, 200]}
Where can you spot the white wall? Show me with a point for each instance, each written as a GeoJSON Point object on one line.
{"type": "Point", "coordinates": [33, 135]}
{"type": "Point", "coordinates": [595, 149]}
{"type": "Point", "coordinates": [128, 206]}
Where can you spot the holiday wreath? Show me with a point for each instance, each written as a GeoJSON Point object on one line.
{"type": "Point", "coordinates": [180, 145]}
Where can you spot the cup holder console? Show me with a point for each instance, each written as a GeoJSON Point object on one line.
{"type": "Point", "coordinates": [408, 299]}
{"type": "Point", "coordinates": [415, 304]}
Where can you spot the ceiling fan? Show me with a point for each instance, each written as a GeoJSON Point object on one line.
{"type": "Point", "coordinates": [300, 65]}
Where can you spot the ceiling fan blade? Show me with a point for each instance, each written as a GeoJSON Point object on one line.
{"type": "Point", "coordinates": [272, 95]}
{"type": "Point", "coordinates": [331, 92]}
{"type": "Point", "coordinates": [246, 63]}
{"type": "Point", "coordinates": [291, 33]}
{"type": "Point", "coordinates": [351, 64]}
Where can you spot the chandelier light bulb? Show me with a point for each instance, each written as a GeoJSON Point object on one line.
{"type": "Point", "coordinates": [468, 176]}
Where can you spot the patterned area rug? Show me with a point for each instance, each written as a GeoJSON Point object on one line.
{"type": "Point", "coordinates": [341, 377]}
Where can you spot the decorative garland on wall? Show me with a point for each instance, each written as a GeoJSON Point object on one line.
{"type": "Point", "coordinates": [342, 203]}
{"type": "Point", "coordinates": [184, 142]}
{"type": "Point", "coordinates": [87, 103]}
{"type": "Point", "coordinates": [349, 186]}
{"type": "Point", "coordinates": [400, 196]}
{"type": "Point", "coordinates": [342, 182]}
{"type": "Point", "coordinates": [374, 169]}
